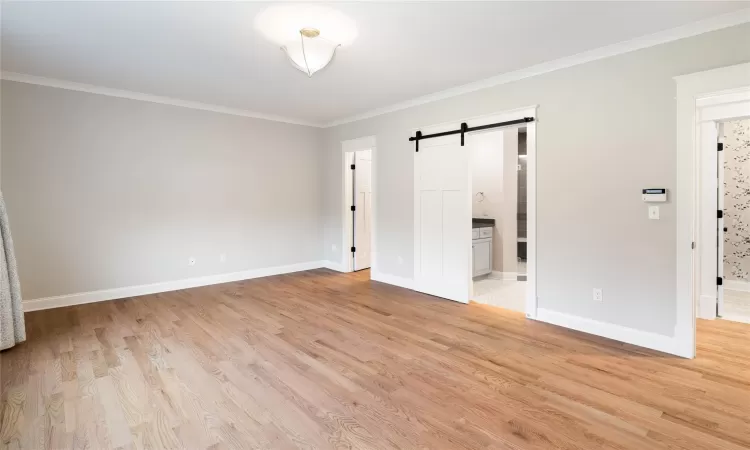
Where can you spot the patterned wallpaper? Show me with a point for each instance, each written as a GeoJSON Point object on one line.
{"type": "Point", "coordinates": [737, 200]}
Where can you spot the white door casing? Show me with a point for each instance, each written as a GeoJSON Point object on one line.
{"type": "Point", "coordinates": [720, 226]}
{"type": "Point", "coordinates": [442, 229]}
{"type": "Point", "coordinates": [362, 208]}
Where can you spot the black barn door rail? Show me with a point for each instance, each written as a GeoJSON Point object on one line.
{"type": "Point", "coordinates": [466, 129]}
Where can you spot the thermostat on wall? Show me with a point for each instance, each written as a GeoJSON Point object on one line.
{"type": "Point", "coordinates": [655, 195]}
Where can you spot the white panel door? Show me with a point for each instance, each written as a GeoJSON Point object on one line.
{"type": "Point", "coordinates": [442, 219]}
{"type": "Point", "coordinates": [362, 208]}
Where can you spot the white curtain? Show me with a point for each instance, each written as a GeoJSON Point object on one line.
{"type": "Point", "coordinates": [12, 327]}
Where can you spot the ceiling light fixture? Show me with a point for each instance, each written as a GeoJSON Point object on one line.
{"type": "Point", "coordinates": [310, 52]}
{"type": "Point", "coordinates": [308, 34]}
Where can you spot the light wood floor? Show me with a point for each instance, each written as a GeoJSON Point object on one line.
{"type": "Point", "coordinates": [324, 360]}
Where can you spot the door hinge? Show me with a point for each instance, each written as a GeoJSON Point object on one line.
{"type": "Point", "coordinates": [352, 166]}
{"type": "Point", "coordinates": [354, 249]}
{"type": "Point", "coordinates": [720, 214]}
{"type": "Point", "coordinates": [692, 245]}
{"type": "Point", "coordinates": [719, 281]}
{"type": "Point", "coordinates": [720, 146]}
{"type": "Point", "coordinates": [354, 208]}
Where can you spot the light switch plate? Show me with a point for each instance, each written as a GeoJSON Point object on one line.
{"type": "Point", "coordinates": [653, 212]}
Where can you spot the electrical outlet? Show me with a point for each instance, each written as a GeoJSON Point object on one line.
{"type": "Point", "coordinates": [223, 258]}
{"type": "Point", "coordinates": [653, 212]}
{"type": "Point", "coordinates": [191, 261]}
{"type": "Point", "coordinates": [400, 260]}
{"type": "Point", "coordinates": [598, 296]}
{"type": "Point", "coordinates": [333, 247]}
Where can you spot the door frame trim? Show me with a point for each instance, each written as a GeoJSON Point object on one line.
{"type": "Point", "coordinates": [709, 120]}
{"type": "Point", "coordinates": [699, 97]}
{"type": "Point", "coordinates": [348, 148]}
{"type": "Point", "coordinates": [531, 205]}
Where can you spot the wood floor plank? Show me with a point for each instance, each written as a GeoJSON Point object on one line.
{"type": "Point", "coordinates": [322, 360]}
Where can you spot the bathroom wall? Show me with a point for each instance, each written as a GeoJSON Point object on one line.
{"type": "Point", "coordinates": [486, 173]}
{"type": "Point", "coordinates": [509, 229]}
{"type": "Point", "coordinates": [522, 194]}
{"type": "Point", "coordinates": [493, 166]}
{"type": "Point", "coordinates": [737, 200]}
{"type": "Point", "coordinates": [521, 247]}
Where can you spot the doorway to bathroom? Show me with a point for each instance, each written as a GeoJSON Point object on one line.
{"type": "Point", "coordinates": [466, 256]}
{"type": "Point", "coordinates": [499, 174]}
{"type": "Point", "coordinates": [721, 277]}
{"type": "Point", "coordinates": [733, 156]}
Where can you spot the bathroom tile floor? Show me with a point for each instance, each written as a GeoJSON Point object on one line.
{"type": "Point", "coordinates": [508, 294]}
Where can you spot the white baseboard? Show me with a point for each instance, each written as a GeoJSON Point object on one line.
{"type": "Point", "coordinates": [660, 342]}
{"type": "Point", "coordinates": [155, 288]}
{"type": "Point", "coordinates": [733, 318]}
{"type": "Point", "coordinates": [407, 283]}
{"type": "Point", "coordinates": [505, 276]}
{"type": "Point", "coordinates": [334, 266]}
{"type": "Point", "coordinates": [707, 307]}
{"type": "Point", "coordinates": [737, 285]}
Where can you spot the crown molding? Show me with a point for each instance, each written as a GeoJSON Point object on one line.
{"type": "Point", "coordinates": [132, 95]}
{"type": "Point", "coordinates": [674, 34]}
{"type": "Point", "coordinates": [651, 40]}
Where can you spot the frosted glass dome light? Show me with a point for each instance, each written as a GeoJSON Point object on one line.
{"type": "Point", "coordinates": [309, 34]}
{"type": "Point", "coordinates": [310, 52]}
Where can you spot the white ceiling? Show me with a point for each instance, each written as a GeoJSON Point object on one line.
{"type": "Point", "coordinates": [209, 52]}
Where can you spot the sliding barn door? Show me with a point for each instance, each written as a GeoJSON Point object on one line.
{"type": "Point", "coordinates": [362, 208]}
{"type": "Point", "coordinates": [442, 218]}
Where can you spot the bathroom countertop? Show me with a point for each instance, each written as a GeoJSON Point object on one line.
{"type": "Point", "coordinates": [482, 223]}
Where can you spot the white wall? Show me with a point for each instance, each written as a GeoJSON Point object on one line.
{"type": "Point", "coordinates": [105, 192]}
{"type": "Point", "coordinates": [606, 130]}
